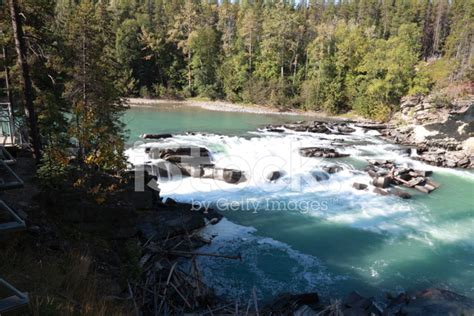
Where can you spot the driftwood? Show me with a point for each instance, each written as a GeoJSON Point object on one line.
{"type": "Point", "coordinates": [386, 173]}
{"type": "Point", "coordinates": [187, 253]}
{"type": "Point", "coordinates": [165, 288]}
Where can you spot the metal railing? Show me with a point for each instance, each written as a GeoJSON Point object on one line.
{"type": "Point", "coordinates": [13, 302]}
{"type": "Point", "coordinates": [14, 299]}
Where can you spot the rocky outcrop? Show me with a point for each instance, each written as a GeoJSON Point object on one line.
{"type": "Point", "coordinates": [442, 132]}
{"type": "Point", "coordinates": [387, 175]}
{"type": "Point", "coordinates": [156, 136]}
{"type": "Point", "coordinates": [173, 219]}
{"type": "Point", "coordinates": [433, 301]}
{"type": "Point", "coordinates": [188, 161]}
{"type": "Point", "coordinates": [286, 303]}
{"type": "Point", "coordinates": [321, 127]}
{"type": "Point", "coordinates": [320, 152]}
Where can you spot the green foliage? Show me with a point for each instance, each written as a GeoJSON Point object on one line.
{"type": "Point", "coordinates": [96, 106]}
{"type": "Point", "coordinates": [422, 82]}
{"type": "Point", "coordinates": [334, 56]}
{"type": "Point", "coordinates": [204, 63]}
{"type": "Point", "coordinates": [386, 73]}
{"type": "Point", "coordinates": [459, 43]}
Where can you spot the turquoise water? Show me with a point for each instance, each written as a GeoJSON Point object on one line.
{"type": "Point", "coordinates": [299, 235]}
{"type": "Point", "coordinates": [176, 118]}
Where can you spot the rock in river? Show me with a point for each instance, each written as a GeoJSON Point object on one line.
{"type": "Point", "coordinates": [322, 152]}
{"type": "Point", "coordinates": [274, 175]}
{"type": "Point", "coordinates": [359, 186]}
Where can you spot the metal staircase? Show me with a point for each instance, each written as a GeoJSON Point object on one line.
{"type": "Point", "coordinates": [14, 301]}
{"type": "Point", "coordinates": [11, 299]}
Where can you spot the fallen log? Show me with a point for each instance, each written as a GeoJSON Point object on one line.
{"type": "Point", "coordinates": [432, 183]}
{"type": "Point", "coordinates": [419, 184]}
{"type": "Point", "coordinates": [422, 188]}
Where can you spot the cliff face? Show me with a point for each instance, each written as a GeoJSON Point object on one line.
{"type": "Point", "coordinates": [442, 131]}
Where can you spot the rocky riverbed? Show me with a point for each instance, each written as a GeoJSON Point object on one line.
{"type": "Point", "coordinates": [193, 158]}
{"type": "Point", "coordinates": [441, 132]}
{"type": "Point", "coordinates": [169, 232]}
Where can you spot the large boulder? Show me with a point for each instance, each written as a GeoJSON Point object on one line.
{"type": "Point", "coordinates": [287, 304]}
{"type": "Point", "coordinates": [400, 193]}
{"type": "Point", "coordinates": [320, 152]}
{"type": "Point", "coordinates": [229, 175]}
{"type": "Point", "coordinates": [468, 146]}
{"type": "Point", "coordinates": [356, 304]}
{"type": "Point", "coordinates": [320, 175]}
{"type": "Point", "coordinates": [359, 186]}
{"type": "Point", "coordinates": [433, 302]}
{"type": "Point", "coordinates": [409, 101]}
{"type": "Point", "coordinates": [321, 127]}
{"type": "Point", "coordinates": [274, 175]}
{"type": "Point", "coordinates": [382, 182]}
{"type": "Point", "coordinates": [169, 221]}
{"type": "Point", "coordinates": [201, 155]}
{"type": "Point", "coordinates": [156, 136]}
{"type": "Point", "coordinates": [191, 170]}
{"type": "Point", "coordinates": [332, 169]}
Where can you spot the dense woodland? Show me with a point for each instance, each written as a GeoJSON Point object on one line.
{"type": "Point", "coordinates": [329, 55]}
{"type": "Point", "coordinates": [81, 56]}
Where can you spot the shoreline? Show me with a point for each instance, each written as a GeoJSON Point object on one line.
{"type": "Point", "coordinates": [225, 106]}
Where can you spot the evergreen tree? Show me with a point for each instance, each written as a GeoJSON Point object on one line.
{"type": "Point", "coordinates": [96, 106]}
{"type": "Point", "coordinates": [185, 23]}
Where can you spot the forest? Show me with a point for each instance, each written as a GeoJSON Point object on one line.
{"type": "Point", "coordinates": [82, 56]}
{"type": "Point", "coordinates": [321, 55]}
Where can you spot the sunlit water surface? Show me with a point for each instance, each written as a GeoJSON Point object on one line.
{"type": "Point", "coordinates": [298, 235]}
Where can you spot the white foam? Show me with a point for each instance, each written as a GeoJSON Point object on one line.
{"type": "Point", "coordinates": [268, 151]}
{"type": "Point", "coordinates": [305, 273]}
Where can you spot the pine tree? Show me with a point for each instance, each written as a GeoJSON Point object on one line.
{"type": "Point", "coordinates": [204, 42]}
{"type": "Point", "coordinates": [460, 42]}
{"type": "Point", "coordinates": [440, 25]}
{"type": "Point", "coordinates": [185, 23]}
{"type": "Point", "coordinates": [96, 106]}
{"type": "Point", "coordinates": [28, 93]}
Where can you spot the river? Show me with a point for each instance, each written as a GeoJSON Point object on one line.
{"type": "Point", "coordinates": [298, 235]}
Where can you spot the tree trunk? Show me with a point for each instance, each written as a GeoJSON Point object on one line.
{"type": "Point", "coordinates": [21, 51]}
{"type": "Point", "coordinates": [250, 52]}
{"type": "Point", "coordinates": [190, 82]}
{"type": "Point", "coordinates": [439, 27]}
